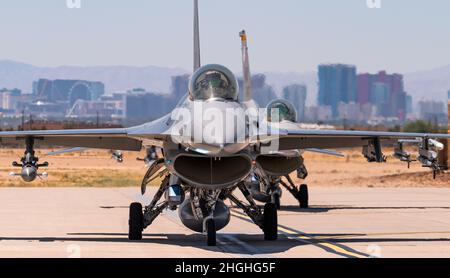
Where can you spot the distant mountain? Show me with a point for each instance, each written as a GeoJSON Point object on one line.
{"type": "Point", "coordinates": [115, 78]}
{"type": "Point", "coordinates": [429, 85]}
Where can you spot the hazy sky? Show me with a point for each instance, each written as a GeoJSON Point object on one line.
{"type": "Point", "coordinates": [285, 35]}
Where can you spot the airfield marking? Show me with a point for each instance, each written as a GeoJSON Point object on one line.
{"type": "Point", "coordinates": [251, 249]}
{"type": "Point", "coordinates": [231, 250]}
{"type": "Point", "coordinates": [338, 249]}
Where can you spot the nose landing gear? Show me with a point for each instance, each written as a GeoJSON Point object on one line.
{"type": "Point", "coordinates": [270, 226]}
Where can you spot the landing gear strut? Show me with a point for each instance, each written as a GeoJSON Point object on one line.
{"type": "Point", "coordinates": [276, 200]}
{"type": "Point", "coordinates": [142, 218]}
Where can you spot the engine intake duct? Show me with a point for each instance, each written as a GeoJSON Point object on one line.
{"type": "Point", "coordinates": [210, 172]}
{"type": "Point", "coordinates": [279, 165]}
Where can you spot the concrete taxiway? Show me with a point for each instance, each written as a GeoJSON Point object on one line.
{"type": "Point", "coordinates": [342, 222]}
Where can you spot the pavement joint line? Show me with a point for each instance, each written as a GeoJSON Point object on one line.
{"type": "Point", "coordinates": [229, 249]}
{"type": "Point", "coordinates": [254, 250]}
{"type": "Point", "coordinates": [337, 249]}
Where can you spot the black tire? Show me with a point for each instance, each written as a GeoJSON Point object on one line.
{"type": "Point", "coordinates": [303, 196]}
{"type": "Point", "coordinates": [276, 201]}
{"type": "Point", "coordinates": [211, 232]}
{"type": "Point", "coordinates": [270, 222]}
{"type": "Point", "coordinates": [135, 222]}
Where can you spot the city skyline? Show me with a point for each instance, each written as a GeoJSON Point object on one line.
{"type": "Point", "coordinates": [21, 76]}
{"type": "Point", "coordinates": [102, 32]}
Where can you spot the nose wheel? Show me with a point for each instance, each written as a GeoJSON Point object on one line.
{"type": "Point", "coordinates": [136, 222]}
{"type": "Point", "coordinates": [270, 222]}
{"type": "Point", "coordinates": [210, 226]}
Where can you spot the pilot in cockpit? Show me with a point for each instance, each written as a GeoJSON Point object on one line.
{"type": "Point", "coordinates": [213, 84]}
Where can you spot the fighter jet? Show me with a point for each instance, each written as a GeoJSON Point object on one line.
{"type": "Point", "coordinates": [209, 146]}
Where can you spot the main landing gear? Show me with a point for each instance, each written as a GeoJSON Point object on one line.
{"type": "Point", "coordinates": [204, 211]}
{"type": "Point", "coordinates": [266, 219]}
{"type": "Point", "coordinates": [300, 193]}
{"type": "Point", "coordinates": [141, 218]}
{"type": "Point", "coordinates": [136, 222]}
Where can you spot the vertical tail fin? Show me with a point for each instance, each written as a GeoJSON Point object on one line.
{"type": "Point", "coordinates": [246, 68]}
{"type": "Point", "coordinates": [197, 62]}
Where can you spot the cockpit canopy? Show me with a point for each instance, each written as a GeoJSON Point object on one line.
{"type": "Point", "coordinates": [213, 82]}
{"type": "Point", "coordinates": [281, 110]}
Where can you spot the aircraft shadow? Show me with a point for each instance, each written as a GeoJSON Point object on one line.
{"type": "Point", "coordinates": [254, 244]}
{"type": "Point", "coordinates": [322, 209]}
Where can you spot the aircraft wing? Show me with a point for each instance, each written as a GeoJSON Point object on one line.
{"type": "Point", "coordinates": [291, 136]}
{"type": "Point", "coordinates": [126, 139]}
{"type": "Point", "coordinates": [322, 139]}
{"type": "Point", "coordinates": [87, 138]}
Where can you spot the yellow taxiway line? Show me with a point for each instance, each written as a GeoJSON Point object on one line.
{"type": "Point", "coordinates": [328, 246]}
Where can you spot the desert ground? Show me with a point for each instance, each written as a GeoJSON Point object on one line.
{"type": "Point", "coordinates": [94, 168]}
{"type": "Point", "coordinates": [357, 210]}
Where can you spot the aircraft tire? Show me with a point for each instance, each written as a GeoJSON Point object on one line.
{"type": "Point", "coordinates": [135, 222]}
{"type": "Point", "coordinates": [211, 232]}
{"type": "Point", "coordinates": [303, 196]}
{"type": "Point", "coordinates": [270, 222]}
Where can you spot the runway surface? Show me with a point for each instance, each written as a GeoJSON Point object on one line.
{"type": "Point", "coordinates": [342, 222]}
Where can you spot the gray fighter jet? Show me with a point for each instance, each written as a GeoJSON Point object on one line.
{"type": "Point", "coordinates": [205, 150]}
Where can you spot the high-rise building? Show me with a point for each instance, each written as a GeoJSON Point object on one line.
{"type": "Point", "coordinates": [369, 88]}
{"type": "Point", "coordinates": [349, 111]}
{"type": "Point", "coordinates": [9, 98]}
{"type": "Point", "coordinates": [262, 92]}
{"type": "Point", "coordinates": [145, 106]}
{"type": "Point", "coordinates": [337, 83]}
{"type": "Point", "coordinates": [296, 94]}
{"type": "Point", "coordinates": [379, 97]}
{"type": "Point", "coordinates": [179, 87]}
{"type": "Point", "coordinates": [364, 88]}
{"type": "Point", "coordinates": [433, 111]}
{"type": "Point", "coordinates": [409, 104]}
{"type": "Point", "coordinates": [67, 90]}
